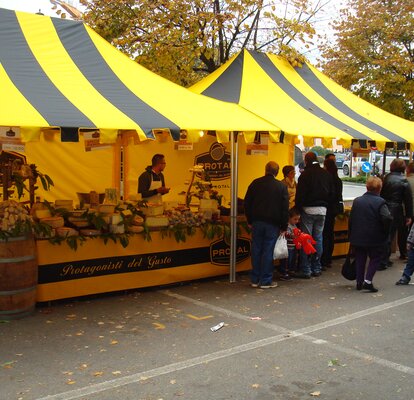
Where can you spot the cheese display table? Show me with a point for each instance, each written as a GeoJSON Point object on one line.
{"type": "Point", "coordinates": [96, 267]}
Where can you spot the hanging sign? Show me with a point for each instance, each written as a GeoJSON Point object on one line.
{"type": "Point", "coordinates": [259, 147]}
{"type": "Point", "coordinates": [10, 139]}
{"type": "Point", "coordinates": [183, 144]}
{"type": "Point", "coordinates": [91, 140]}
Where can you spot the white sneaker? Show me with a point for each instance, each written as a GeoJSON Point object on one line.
{"type": "Point", "coordinates": [254, 285]}
{"type": "Point", "coordinates": [269, 286]}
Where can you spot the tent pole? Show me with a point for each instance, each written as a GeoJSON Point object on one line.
{"type": "Point", "coordinates": [233, 205]}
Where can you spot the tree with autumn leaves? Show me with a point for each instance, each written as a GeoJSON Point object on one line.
{"type": "Point", "coordinates": [373, 54]}
{"type": "Point", "coordinates": [184, 40]}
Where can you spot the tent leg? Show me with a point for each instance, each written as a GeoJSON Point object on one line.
{"type": "Point", "coordinates": [233, 205]}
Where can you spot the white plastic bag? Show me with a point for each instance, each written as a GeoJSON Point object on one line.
{"type": "Point", "coordinates": [281, 250]}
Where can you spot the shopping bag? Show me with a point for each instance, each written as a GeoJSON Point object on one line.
{"type": "Point", "coordinates": [281, 250]}
{"type": "Point", "coordinates": [349, 267]}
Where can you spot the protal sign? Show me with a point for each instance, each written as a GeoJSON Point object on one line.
{"type": "Point", "coordinates": [216, 162]}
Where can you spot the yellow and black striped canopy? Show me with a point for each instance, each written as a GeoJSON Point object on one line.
{"type": "Point", "coordinates": [60, 73]}
{"type": "Point", "coordinates": [301, 100]}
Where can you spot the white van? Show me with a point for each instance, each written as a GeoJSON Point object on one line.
{"type": "Point", "coordinates": [379, 162]}
{"type": "Point", "coordinates": [376, 163]}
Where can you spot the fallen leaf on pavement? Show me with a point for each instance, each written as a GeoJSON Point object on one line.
{"type": "Point", "coordinates": [8, 364]}
{"type": "Point", "coordinates": [98, 373]}
{"type": "Point", "coordinates": [255, 385]}
{"type": "Point", "coordinates": [315, 394]}
{"type": "Point", "coordinates": [114, 342]}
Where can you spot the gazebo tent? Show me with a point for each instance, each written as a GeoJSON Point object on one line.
{"type": "Point", "coordinates": [59, 73]}
{"type": "Point", "coordinates": [301, 100]}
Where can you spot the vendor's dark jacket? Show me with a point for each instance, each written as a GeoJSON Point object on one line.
{"type": "Point", "coordinates": [267, 200]}
{"type": "Point", "coordinates": [315, 187]}
{"type": "Point", "coordinates": [396, 191]}
{"type": "Point", "coordinates": [369, 221]}
{"type": "Point", "coordinates": [144, 182]}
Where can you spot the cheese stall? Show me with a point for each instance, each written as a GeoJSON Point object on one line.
{"type": "Point", "coordinates": [87, 120]}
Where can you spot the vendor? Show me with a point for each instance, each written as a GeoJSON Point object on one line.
{"type": "Point", "coordinates": [151, 183]}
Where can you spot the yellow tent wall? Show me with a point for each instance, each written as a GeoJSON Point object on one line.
{"type": "Point", "coordinates": [71, 168]}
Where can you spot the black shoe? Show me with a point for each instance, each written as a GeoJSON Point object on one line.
{"type": "Point", "coordinates": [403, 256]}
{"type": "Point", "coordinates": [403, 281]}
{"type": "Point", "coordinates": [359, 286]}
{"type": "Point", "coordinates": [381, 267]}
{"type": "Point", "coordinates": [323, 268]}
{"type": "Point", "coordinates": [303, 276]}
{"type": "Point", "coordinates": [370, 287]}
{"type": "Point", "coordinates": [389, 263]}
{"type": "Point", "coordinates": [316, 274]}
{"type": "Point", "coordinates": [285, 277]}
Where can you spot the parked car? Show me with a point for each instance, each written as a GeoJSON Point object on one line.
{"type": "Point", "coordinates": [340, 158]}
{"type": "Point", "coordinates": [346, 165]}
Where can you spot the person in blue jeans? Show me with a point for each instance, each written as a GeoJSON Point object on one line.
{"type": "Point", "coordinates": [288, 266]}
{"type": "Point", "coordinates": [409, 268]}
{"type": "Point", "coordinates": [266, 207]}
{"type": "Point", "coordinates": [314, 193]}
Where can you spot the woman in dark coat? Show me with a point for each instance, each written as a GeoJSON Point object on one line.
{"type": "Point", "coordinates": [369, 225]}
{"type": "Point", "coordinates": [333, 209]}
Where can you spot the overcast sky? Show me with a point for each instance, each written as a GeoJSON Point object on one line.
{"type": "Point", "coordinates": [326, 15]}
{"type": "Point", "coordinates": [33, 6]}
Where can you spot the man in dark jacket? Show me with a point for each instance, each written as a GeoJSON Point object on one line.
{"type": "Point", "coordinates": [151, 183]}
{"type": "Point", "coordinates": [266, 207]}
{"type": "Point", "coordinates": [369, 224]}
{"type": "Point", "coordinates": [313, 195]}
{"type": "Point", "coordinates": [396, 191]}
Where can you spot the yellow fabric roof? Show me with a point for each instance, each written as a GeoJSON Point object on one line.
{"type": "Point", "coordinates": [61, 73]}
{"type": "Point", "coordinates": [301, 100]}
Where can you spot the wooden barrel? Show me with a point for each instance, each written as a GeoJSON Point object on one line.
{"type": "Point", "coordinates": [18, 277]}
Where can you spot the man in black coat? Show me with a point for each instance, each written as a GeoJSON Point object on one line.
{"type": "Point", "coordinates": [313, 195]}
{"type": "Point", "coordinates": [266, 207]}
{"type": "Point", "coordinates": [396, 191]}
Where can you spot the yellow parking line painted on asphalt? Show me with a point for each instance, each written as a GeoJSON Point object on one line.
{"type": "Point", "coordinates": [199, 318]}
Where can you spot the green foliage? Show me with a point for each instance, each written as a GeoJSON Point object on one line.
{"type": "Point", "coordinates": [320, 151]}
{"type": "Point", "coordinates": [356, 179]}
{"type": "Point", "coordinates": [183, 40]}
{"type": "Point", "coordinates": [373, 53]}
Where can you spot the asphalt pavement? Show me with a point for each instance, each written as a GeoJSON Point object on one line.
{"type": "Point", "coordinates": [316, 338]}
